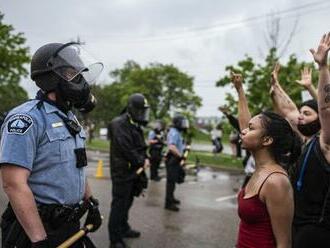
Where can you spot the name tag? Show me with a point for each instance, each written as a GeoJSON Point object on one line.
{"type": "Point", "coordinates": [57, 124]}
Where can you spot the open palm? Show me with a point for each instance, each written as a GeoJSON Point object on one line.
{"type": "Point", "coordinates": [306, 77]}
{"type": "Point", "coordinates": [321, 54]}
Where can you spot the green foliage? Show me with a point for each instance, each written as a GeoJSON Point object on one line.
{"type": "Point", "coordinates": [166, 88]}
{"type": "Point", "coordinates": [257, 81]}
{"type": "Point", "coordinates": [14, 55]}
{"type": "Point", "coordinates": [11, 95]}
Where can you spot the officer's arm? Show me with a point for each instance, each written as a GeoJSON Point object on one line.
{"type": "Point", "coordinates": [152, 138]}
{"type": "Point", "coordinates": [153, 141]}
{"type": "Point", "coordinates": [88, 191]}
{"type": "Point", "coordinates": [172, 148]}
{"type": "Point", "coordinates": [15, 185]}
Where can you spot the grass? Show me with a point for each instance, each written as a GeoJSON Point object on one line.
{"type": "Point", "coordinates": [222, 161]}
{"type": "Point", "coordinates": [98, 144]}
{"type": "Point", "coordinates": [201, 138]}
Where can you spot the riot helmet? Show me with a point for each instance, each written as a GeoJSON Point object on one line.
{"type": "Point", "coordinates": [180, 122]}
{"type": "Point", "coordinates": [66, 69]}
{"type": "Point", "coordinates": [158, 126]}
{"type": "Point", "coordinates": [138, 108]}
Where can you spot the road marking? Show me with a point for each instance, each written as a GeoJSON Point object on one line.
{"type": "Point", "coordinates": [225, 198]}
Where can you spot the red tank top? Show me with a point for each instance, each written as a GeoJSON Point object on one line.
{"type": "Point", "coordinates": [255, 229]}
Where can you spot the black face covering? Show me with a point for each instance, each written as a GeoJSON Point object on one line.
{"type": "Point", "coordinates": [309, 129]}
{"type": "Point", "coordinates": [76, 93]}
{"type": "Point", "coordinates": [87, 106]}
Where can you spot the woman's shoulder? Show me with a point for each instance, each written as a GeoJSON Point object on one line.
{"type": "Point", "coordinates": [276, 182]}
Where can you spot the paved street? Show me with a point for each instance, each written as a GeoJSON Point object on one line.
{"type": "Point", "coordinates": [207, 218]}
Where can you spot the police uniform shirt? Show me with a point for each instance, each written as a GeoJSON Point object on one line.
{"type": "Point", "coordinates": [174, 138]}
{"type": "Point", "coordinates": [38, 140]}
{"type": "Point", "coordinates": [152, 135]}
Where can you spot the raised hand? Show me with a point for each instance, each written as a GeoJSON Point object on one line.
{"type": "Point", "coordinates": [306, 77]}
{"type": "Point", "coordinates": [321, 53]}
{"type": "Point", "coordinates": [237, 80]}
{"type": "Point", "coordinates": [276, 70]}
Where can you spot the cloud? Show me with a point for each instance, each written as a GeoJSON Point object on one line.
{"type": "Point", "coordinates": [190, 34]}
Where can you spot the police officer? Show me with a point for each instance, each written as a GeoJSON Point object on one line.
{"type": "Point", "coordinates": [127, 156]}
{"type": "Point", "coordinates": [174, 157]}
{"type": "Point", "coordinates": [42, 153]}
{"type": "Point", "coordinates": [156, 144]}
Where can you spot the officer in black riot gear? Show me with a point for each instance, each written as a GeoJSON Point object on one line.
{"type": "Point", "coordinates": [174, 159]}
{"type": "Point", "coordinates": [127, 157]}
{"type": "Point", "coordinates": [156, 141]}
{"type": "Point", "coordinates": [42, 153]}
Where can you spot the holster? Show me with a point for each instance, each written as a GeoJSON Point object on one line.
{"type": "Point", "coordinates": [56, 215]}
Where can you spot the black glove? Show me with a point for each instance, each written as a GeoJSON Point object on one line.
{"type": "Point", "coordinates": [140, 184]}
{"type": "Point", "coordinates": [94, 216]}
{"type": "Point", "coordinates": [41, 244]}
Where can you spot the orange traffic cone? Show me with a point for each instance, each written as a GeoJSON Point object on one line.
{"type": "Point", "coordinates": [99, 169]}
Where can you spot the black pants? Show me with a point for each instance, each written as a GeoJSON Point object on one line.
{"type": "Point", "coordinates": [13, 234]}
{"type": "Point", "coordinates": [310, 236]}
{"type": "Point", "coordinates": [155, 160]}
{"type": "Point", "coordinates": [122, 200]}
{"type": "Point", "coordinates": [172, 176]}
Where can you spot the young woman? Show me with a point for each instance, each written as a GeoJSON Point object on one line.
{"type": "Point", "coordinates": [265, 204]}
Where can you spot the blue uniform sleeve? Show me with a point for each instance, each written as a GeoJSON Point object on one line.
{"type": "Point", "coordinates": [18, 141]}
{"type": "Point", "coordinates": [151, 135]}
{"type": "Point", "coordinates": [172, 138]}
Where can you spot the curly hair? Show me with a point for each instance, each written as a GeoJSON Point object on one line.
{"type": "Point", "coordinates": [286, 145]}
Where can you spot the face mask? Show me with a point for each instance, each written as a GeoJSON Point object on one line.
{"type": "Point", "coordinates": [87, 106]}
{"type": "Point", "coordinates": [309, 129]}
{"type": "Point", "coordinates": [76, 93]}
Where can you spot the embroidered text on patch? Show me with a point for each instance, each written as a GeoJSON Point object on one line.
{"type": "Point", "coordinates": [19, 124]}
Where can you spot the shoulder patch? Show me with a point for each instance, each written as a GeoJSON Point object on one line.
{"type": "Point", "coordinates": [19, 124]}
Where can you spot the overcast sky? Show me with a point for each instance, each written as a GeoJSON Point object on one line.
{"type": "Point", "coordinates": [199, 37]}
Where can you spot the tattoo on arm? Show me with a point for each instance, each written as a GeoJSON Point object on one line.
{"type": "Point", "coordinates": [327, 93]}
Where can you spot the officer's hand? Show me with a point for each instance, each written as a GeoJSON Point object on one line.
{"type": "Point", "coordinates": [41, 244]}
{"type": "Point", "coordinates": [94, 216]}
{"type": "Point", "coordinates": [146, 163]}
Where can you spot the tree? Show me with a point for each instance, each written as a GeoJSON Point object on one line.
{"type": "Point", "coordinates": [165, 86]}
{"type": "Point", "coordinates": [257, 81]}
{"type": "Point", "coordinates": [274, 36]}
{"type": "Point", "coordinates": [14, 55]}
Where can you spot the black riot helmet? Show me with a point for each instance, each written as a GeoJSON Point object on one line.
{"type": "Point", "coordinates": [66, 69]}
{"type": "Point", "coordinates": [138, 108]}
{"type": "Point", "coordinates": [180, 122]}
{"type": "Point", "coordinates": [159, 126]}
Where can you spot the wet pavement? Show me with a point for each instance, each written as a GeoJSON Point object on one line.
{"type": "Point", "coordinates": [207, 217]}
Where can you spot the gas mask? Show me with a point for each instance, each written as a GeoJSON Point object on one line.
{"type": "Point", "coordinates": [87, 106]}
{"type": "Point", "coordinates": [75, 71]}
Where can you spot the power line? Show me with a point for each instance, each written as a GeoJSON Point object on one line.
{"type": "Point", "coordinates": [185, 33]}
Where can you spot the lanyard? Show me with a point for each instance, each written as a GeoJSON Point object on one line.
{"type": "Point", "coordinates": [303, 168]}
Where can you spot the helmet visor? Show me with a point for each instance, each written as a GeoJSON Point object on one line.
{"type": "Point", "coordinates": [144, 114]}
{"type": "Point", "coordinates": [72, 60]}
{"type": "Point", "coordinates": [185, 123]}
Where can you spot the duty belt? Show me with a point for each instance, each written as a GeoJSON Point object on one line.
{"type": "Point", "coordinates": [56, 214]}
